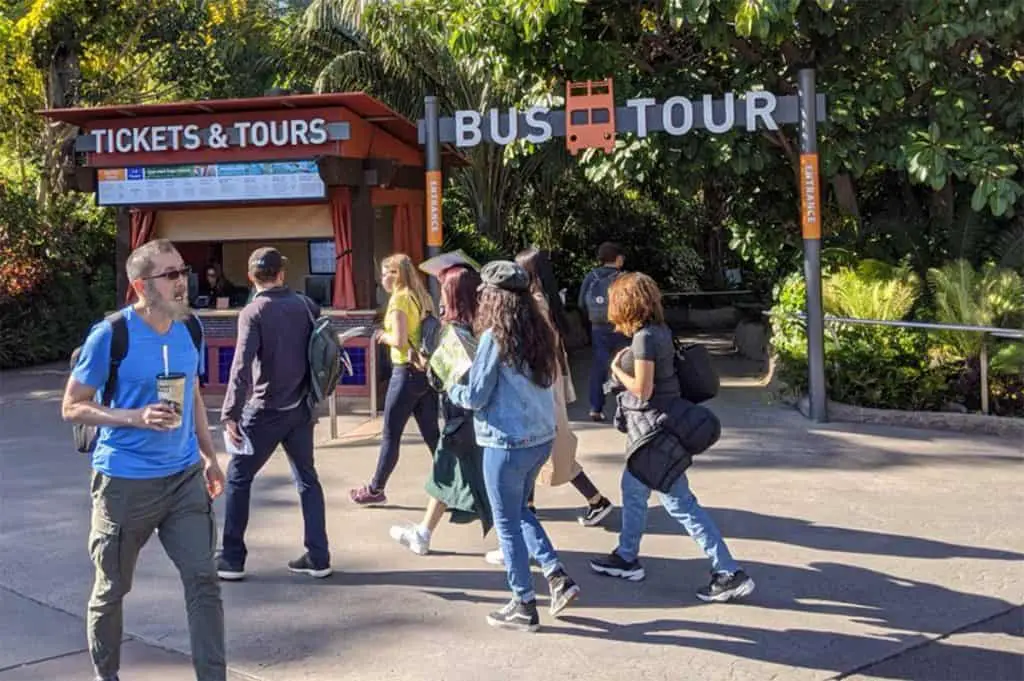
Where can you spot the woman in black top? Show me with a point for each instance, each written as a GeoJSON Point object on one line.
{"type": "Point", "coordinates": [634, 307]}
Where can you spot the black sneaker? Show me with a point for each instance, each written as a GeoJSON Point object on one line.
{"type": "Point", "coordinates": [614, 566]}
{"type": "Point", "coordinates": [107, 678]}
{"type": "Point", "coordinates": [563, 591]}
{"type": "Point", "coordinates": [516, 615]}
{"type": "Point", "coordinates": [725, 587]}
{"type": "Point", "coordinates": [229, 572]}
{"type": "Point", "coordinates": [306, 567]}
{"type": "Point", "coordinates": [596, 513]}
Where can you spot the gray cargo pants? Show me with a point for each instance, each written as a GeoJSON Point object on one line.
{"type": "Point", "coordinates": [124, 515]}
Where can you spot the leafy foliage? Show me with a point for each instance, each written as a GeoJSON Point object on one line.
{"type": "Point", "coordinates": [901, 368]}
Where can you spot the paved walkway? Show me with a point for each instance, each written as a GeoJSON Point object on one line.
{"type": "Point", "coordinates": [879, 553]}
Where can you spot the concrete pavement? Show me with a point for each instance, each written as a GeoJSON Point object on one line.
{"type": "Point", "coordinates": [875, 549]}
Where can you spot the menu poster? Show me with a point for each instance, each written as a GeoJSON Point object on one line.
{"type": "Point", "coordinates": [209, 183]}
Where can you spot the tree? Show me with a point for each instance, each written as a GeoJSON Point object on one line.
{"type": "Point", "coordinates": [401, 52]}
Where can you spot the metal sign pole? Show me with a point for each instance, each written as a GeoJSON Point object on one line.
{"type": "Point", "coordinates": [810, 205]}
{"type": "Point", "coordinates": [434, 223]}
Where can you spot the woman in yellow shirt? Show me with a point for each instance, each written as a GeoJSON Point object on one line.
{"type": "Point", "coordinates": [408, 394]}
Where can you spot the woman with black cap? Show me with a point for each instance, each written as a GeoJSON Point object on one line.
{"type": "Point", "coordinates": [510, 392]}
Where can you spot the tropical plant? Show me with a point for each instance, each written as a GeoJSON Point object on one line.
{"type": "Point", "coordinates": [872, 290]}
{"type": "Point", "coordinates": [401, 52]}
{"type": "Point", "coordinates": [991, 297]}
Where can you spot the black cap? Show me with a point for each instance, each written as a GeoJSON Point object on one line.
{"type": "Point", "coordinates": [505, 274]}
{"type": "Point", "coordinates": [266, 262]}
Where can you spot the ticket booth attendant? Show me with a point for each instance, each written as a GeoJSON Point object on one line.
{"type": "Point", "coordinates": [334, 181]}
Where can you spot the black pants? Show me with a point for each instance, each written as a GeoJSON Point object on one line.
{"type": "Point", "coordinates": [581, 482]}
{"type": "Point", "coordinates": [266, 430]}
{"type": "Point", "coordinates": [408, 395]}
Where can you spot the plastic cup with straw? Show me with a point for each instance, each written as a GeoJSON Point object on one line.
{"type": "Point", "coordinates": [170, 389]}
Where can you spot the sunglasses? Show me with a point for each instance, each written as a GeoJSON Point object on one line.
{"type": "Point", "coordinates": [173, 275]}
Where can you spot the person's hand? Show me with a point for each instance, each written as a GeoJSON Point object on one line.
{"type": "Point", "coordinates": [617, 360]}
{"type": "Point", "coordinates": [214, 477]}
{"type": "Point", "coordinates": [157, 416]}
{"type": "Point", "coordinates": [233, 432]}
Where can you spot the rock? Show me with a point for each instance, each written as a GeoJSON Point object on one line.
{"type": "Point", "coordinates": [751, 340]}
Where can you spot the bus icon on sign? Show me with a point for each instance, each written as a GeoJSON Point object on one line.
{"type": "Point", "coordinates": [589, 116]}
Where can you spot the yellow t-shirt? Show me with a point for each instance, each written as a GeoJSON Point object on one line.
{"type": "Point", "coordinates": [404, 301]}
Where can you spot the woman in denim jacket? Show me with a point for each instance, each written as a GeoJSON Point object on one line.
{"type": "Point", "coordinates": [510, 393]}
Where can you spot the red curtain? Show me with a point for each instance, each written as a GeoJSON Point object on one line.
{"type": "Point", "coordinates": [141, 223]}
{"type": "Point", "coordinates": [408, 230]}
{"type": "Point", "coordinates": [341, 217]}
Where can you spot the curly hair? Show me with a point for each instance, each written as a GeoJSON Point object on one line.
{"type": "Point", "coordinates": [634, 300]}
{"type": "Point", "coordinates": [458, 294]}
{"type": "Point", "coordinates": [525, 338]}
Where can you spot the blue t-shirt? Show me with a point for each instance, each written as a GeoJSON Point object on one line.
{"type": "Point", "coordinates": [140, 453]}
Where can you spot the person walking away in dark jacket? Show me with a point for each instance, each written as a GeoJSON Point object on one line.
{"type": "Point", "coordinates": [510, 393]}
{"type": "Point", "coordinates": [562, 466]}
{"type": "Point", "coordinates": [408, 392]}
{"type": "Point", "coordinates": [456, 481]}
{"type": "Point", "coordinates": [154, 464]}
{"type": "Point", "coordinates": [636, 311]}
{"type": "Point", "coordinates": [605, 340]}
{"type": "Point", "coordinates": [273, 335]}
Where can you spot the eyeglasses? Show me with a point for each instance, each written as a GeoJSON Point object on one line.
{"type": "Point", "coordinates": [173, 275]}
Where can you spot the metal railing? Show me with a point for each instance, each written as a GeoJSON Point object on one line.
{"type": "Point", "coordinates": [371, 378]}
{"type": "Point", "coordinates": [995, 331]}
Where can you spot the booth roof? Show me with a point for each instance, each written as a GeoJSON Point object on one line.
{"type": "Point", "coordinates": [360, 103]}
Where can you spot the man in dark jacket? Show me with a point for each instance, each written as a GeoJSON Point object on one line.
{"type": "Point", "coordinates": [273, 334]}
{"type": "Point", "coordinates": [593, 301]}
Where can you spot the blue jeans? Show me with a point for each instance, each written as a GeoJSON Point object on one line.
{"type": "Point", "coordinates": [509, 475]}
{"type": "Point", "coordinates": [605, 342]}
{"type": "Point", "coordinates": [266, 430]}
{"type": "Point", "coordinates": [408, 395]}
{"type": "Point", "coordinates": [681, 504]}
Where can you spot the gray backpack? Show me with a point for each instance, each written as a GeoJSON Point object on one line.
{"type": "Point", "coordinates": [596, 296]}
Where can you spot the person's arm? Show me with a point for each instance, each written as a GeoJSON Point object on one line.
{"type": "Point", "coordinates": [641, 383]}
{"type": "Point", "coordinates": [246, 349]}
{"type": "Point", "coordinates": [399, 334]}
{"type": "Point", "coordinates": [581, 300]}
{"type": "Point", "coordinates": [483, 376]}
{"type": "Point", "coordinates": [89, 375]}
{"type": "Point", "coordinates": [644, 349]}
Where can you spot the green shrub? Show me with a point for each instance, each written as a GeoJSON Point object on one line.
{"type": "Point", "coordinates": [872, 366]}
{"type": "Point", "coordinates": [56, 276]}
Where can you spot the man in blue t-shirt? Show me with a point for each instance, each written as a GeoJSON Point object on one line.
{"type": "Point", "coordinates": [150, 473]}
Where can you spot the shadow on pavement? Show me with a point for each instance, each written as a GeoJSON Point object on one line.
{"type": "Point", "coordinates": [743, 524]}
{"type": "Point", "coordinates": [904, 612]}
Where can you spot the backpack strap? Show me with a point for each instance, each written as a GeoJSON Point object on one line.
{"type": "Point", "coordinates": [118, 351]}
{"type": "Point", "coordinates": [195, 330]}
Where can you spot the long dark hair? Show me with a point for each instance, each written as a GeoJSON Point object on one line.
{"type": "Point", "coordinates": [526, 340]}
{"type": "Point", "coordinates": [459, 295]}
{"type": "Point", "coordinates": [543, 282]}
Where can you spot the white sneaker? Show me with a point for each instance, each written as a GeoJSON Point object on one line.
{"type": "Point", "coordinates": [494, 557]}
{"type": "Point", "coordinates": [410, 537]}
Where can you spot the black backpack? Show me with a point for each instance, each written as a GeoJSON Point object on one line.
{"type": "Point", "coordinates": [323, 355]}
{"type": "Point", "coordinates": [698, 380]}
{"type": "Point", "coordinates": [595, 297]}
{"type": "Point", "coordinates": [85, 436]}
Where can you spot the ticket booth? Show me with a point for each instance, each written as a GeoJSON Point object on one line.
{"type": "Point", "coordinates": [334, 181]}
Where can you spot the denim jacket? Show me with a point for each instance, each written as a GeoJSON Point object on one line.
{"type": "Point", "coordinates": [510, 410]}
